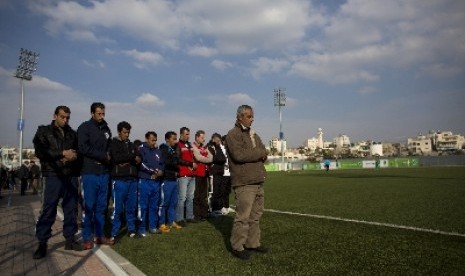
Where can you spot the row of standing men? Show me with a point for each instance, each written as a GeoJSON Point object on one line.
{"type": "Point", "coordinates": [158, 187]}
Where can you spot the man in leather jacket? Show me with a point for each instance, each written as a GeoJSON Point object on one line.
{"type": "Point", "coordinates": [55, 145]}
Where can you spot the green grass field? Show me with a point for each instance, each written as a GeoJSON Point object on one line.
{"type": "Point", "coordinates": [427, 198]}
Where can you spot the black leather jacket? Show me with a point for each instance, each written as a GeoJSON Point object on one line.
{"type": "Point", "coordinates": [49, 145]}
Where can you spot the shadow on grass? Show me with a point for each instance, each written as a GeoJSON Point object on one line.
{"type": "Point", "coordinates": [223, 224]}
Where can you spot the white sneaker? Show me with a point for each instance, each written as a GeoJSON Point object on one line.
{"type": "Point", "coordinates": [224, 211]}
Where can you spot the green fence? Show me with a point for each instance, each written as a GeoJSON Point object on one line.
{"type": "Point", "coordinates": [352, 164]}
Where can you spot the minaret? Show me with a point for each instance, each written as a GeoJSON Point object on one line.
{"type": "Point", "coordinates": [320, 138]}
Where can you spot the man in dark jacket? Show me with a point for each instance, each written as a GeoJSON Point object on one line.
{"type": "Point", "coordinates": [221, 183]}
{"type": "Point", "coordinates": [35, 176]}
{"type": "Point", "coordinates": [94, 137]}
{"type": "Point", "coordinates": [247, 155]}
{"type": "Point", "coordinates": [124, 175]}
{"type": "Point", "coordinates": [24, 176]}
{"type": "Point", "coordinates": [55, 145]}
{"type": "Point", "coordinates": [169, 189]}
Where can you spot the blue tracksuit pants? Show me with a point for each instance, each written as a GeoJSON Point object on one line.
{"type": "Point", "coordinates": [124, 198]}
{"type": "Point", "coordinates": [168, 201]}
{"type": "Point", "coordinates": [149, 198]}
{"type": "Point", "coordinates": [95, 196]}
{"type": "Point", "coordinates": [55, 188]}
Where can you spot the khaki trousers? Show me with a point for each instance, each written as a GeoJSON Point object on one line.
{"type": "Point", "coordinates": [250, 201]}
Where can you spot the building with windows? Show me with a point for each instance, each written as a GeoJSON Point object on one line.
{"type": "Point", "coordinates": [446, 141]}
{"type": "Point", "coordinates": [420, 145]}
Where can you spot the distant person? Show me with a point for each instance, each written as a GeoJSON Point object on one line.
{"type": "Point", "coordinates": [124, 179]}
{"type": "Point", "coordinates": [35, 177]}
{"type": "Point", "coordinates": [217, 169]}
{"type": "Point", "coordinates": [150, 180]}
{"type": "Point", "coordinates": [186, 179]}
{"type": "Point", "coordinates": [326, 164]}
{"type": "Point", "coordinates": [203, 158]}
{"type": "Point", "coordinates": [247, 155]}
{"type": "Point", "coordinates": [94, 138]}
{"type": "Point", "coordinates": [23, 174]}
{"type": "Point", "coordinates": [56, 147]}
{"type": "Point", "coordinates": [169, 189]}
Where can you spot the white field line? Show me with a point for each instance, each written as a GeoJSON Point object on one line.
{"type": "Point", "coordinates": [370, 223]}
{"type": "Point", "coordinates": [111, 265]}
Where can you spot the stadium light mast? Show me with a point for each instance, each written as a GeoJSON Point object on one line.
{"type": "Point", "coordinates": [26, 67]}
{"type": "Point", "coordinates": [280, 101]}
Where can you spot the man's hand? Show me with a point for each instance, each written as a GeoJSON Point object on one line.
{"type": "Point", "coordinates": [69, 155]}
{"type": "Point", "coordinates": [138, 159]}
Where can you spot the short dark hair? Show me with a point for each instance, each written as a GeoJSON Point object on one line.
{"type": "Point", "coordinates": [122, 125]}
{"type": "Point", "coordinates": [147, 135]}
{"type": "Point", "coordinates": [96, 105]}
{"type": "Point", "coordinates": [169, 134]}
{"type": "Point", "coordinates": [64, 108]}
{"type": "Point", "coordinates": [181, 130]}
{"type": "Point", "coordinates": [216, 134]}
{"type": "Point", "coordinates": [199, 132]}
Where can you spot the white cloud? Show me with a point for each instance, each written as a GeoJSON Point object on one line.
{"type": "Point", "coordinates": [202, 51]}
{"type": "Point", "coordinates": [246, 26]}
{"type": "Point", "coordinates": [221, 65]}
{"type": "Point", "coordinates": [441, 70]}
{"type": "Point", "coordinates": [154, 21]}
{"type": "Point", "coordinates": [263, 66]}
{"type": "Point", "coordinates": [367, 90]}
{"type": "Point", "coordinates": [240, 99]}
{"type": "Point", "coordinates": [149, 100]}
{"type": "Point", "coordinates": [97, 63]}
{"type": "Point", "coordinates": [86, 36]}
{"type": "Point", "coordinates": [144, 59]}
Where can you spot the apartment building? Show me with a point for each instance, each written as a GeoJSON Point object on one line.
{"type": "Point", "coordinates": [420, 145]}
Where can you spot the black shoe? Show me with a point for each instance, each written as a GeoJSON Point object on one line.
{"type": "Point", "coordinates": [260, 249]}
{"type": "Point", "coordinates": [243, 255]}
{"type": "Point", "coordinates": [192, 220]}
{"type": "Point", "coordinates": [182, 223]}
{"type": "Point", "coordinates": [40, 252]}
{"type": "Point", "coordinates": [71, 244]}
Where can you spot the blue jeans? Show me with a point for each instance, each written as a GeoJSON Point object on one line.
{"type": "Point", "coordinates": [149, 199]}
{"type": "Point", "coordinates": [186, 189]}
{"type": "Point", "coordinates": [124, 197]}
{"type": "Point", "coordinates": [56, 187]}
{"type": "Point", "coordinates": [95, 192]}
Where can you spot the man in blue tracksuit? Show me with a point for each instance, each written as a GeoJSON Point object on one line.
{"type": "Point", "coordinates": [169, 190]}
{"type": "Point", "coordinates": [124, 175]}
{"type": "Point", "coordinates": [150, 180]}
{"type": "Point", "coordinates": [94, 137]}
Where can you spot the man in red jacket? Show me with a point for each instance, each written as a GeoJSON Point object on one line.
{"type": "Point", "coordinates": [202, 157]}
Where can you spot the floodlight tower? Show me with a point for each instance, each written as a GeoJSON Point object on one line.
{"type": "Point", "coordinates": [27, 66]}
{"type": "Point", "coordinates": [280, 101]}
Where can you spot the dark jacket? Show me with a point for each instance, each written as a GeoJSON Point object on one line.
{"type": "Point", "coordinates": [245, 161]}
{"type": "Point", "coordinates": [217, 165]}
{"type": "Point", "coordinates": [49, 145]}
{"type": "Point", "coordinates": [152, 161]}
{"type": "Point", "coordinates": [123, 157]}
{"type": "Point", "coordinates": [171, 162]}
{"type": "Point", "coordinates": [94, 144]}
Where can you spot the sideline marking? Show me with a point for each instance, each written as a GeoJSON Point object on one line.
{"type": "Point", "coordinates": [370, 223]}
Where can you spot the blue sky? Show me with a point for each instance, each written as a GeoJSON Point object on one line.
{"type": "Point", "coordinates": [370, 69]}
